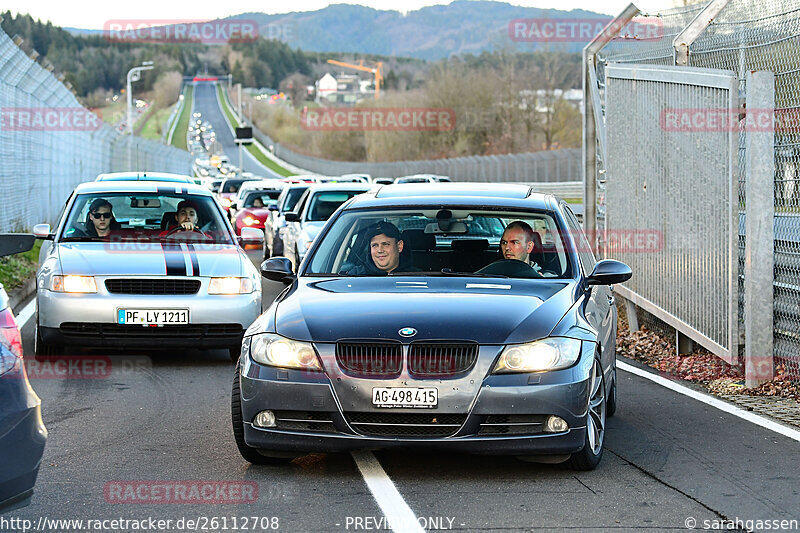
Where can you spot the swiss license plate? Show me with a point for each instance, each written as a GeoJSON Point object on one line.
{"type": "Point", "coordinates": [152, 317]}
{"type": "Point", "coordinates": [417, 397]}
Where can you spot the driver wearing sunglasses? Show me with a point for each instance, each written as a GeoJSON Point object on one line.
{"type": "Point", "coordinates": [100, 219]}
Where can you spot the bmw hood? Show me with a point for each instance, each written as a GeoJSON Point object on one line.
{"type": "Point", "coordinates": [486, 311]}
{"type": "Point", "coordinates": [150, 259]}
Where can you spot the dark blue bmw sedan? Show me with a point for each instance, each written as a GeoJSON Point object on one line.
{"type": "Point", "coordinates": [469, 317]}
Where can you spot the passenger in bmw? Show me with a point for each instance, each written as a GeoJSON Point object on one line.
{"type": "Point", "coordinates": [385, 252]}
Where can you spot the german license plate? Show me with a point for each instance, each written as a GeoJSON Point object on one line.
{"type": "Point", "coordinates": [152, 317]}
{"type": "Point", "coordinates": [416, 397]}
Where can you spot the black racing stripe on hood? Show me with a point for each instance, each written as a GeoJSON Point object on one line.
{"type": "Point", "coordinates": [195, 262]}
{"type": "Point", "coordinates": [174, 258]}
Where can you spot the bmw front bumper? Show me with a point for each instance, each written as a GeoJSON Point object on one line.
{"type": "Point", "coordinates": [477, 413]}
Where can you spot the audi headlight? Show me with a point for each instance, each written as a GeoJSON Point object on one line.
{"type": "Point", "coordinates": [77, 284]}
{"type": "Point", "coordinates": [275, 350]}
{"type": "Point", "coordinates": [547, 354]}
{"type": "Point", "coordinates": [231, 286]}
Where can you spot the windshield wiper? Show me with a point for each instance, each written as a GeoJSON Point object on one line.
{"type": "Point", "coordinates": [84, 238]}
{"type": "Point", "coordinates": [448, 272]}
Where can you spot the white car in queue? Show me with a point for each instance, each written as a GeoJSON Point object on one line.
{"type": "Point", "coordinates": [144, 264]}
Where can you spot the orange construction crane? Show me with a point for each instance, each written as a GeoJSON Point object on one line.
{"type": "Point", "coordinates": [376, 71]}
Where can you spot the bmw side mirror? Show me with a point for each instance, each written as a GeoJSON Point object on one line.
{"type": "Point", "coordinates": [272, 207]}
{"type": "Point", "coordinates": [42, 231]}
{"type": "Point", "coordinates": [278, 269]}
{"type": "Point", "coordinates": [291, 216]}
{"type": "Point", "coordinates": [609, 272]}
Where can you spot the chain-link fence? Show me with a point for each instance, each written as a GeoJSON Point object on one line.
{"type": "Point", "coordinates": [549, 166]}
{"type": "Point", "coordinates": [738, 36]}
{"type": "Point", "coordinates": [49, 143]}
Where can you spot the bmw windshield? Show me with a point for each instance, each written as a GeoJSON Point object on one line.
{"type": "Point", "coordinates": [433, 241]}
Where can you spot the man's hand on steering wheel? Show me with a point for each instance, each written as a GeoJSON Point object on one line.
{"type": "Point", "coordinates": [187, 226]}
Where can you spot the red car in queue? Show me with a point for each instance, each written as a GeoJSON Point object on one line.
{"type": "Point", "coordinates": [255, 207]}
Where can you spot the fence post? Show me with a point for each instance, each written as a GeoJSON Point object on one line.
{"type": "Point", "coordinates": [759, 229]}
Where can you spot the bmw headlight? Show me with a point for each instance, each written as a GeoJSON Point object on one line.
{"type": "Point", "coordinates": [275, 350]}
{"type": "Point", "coordinates": [552, 353]}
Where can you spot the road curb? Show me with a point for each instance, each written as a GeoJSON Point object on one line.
{"type": "Point", "coordinates": [21, 294]}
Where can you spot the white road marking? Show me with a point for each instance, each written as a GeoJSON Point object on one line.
{"type": "Point", "coordinates": [397, 512]}
{"type": "Point", "coordinates": [713, 402]}
{"type": "Point", "coordinates": [26, 313]}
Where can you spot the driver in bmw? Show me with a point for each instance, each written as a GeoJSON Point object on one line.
{"type": "Point", "coordinates": [517, 242]}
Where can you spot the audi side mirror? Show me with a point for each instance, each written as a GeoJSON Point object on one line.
{"type": "Point", "coordinates": [278, 269]}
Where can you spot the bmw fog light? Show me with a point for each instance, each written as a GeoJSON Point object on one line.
{"type": "Point", "coordinates": [264, 419]}
{"type": "Point", "coordinates": [556, 424]}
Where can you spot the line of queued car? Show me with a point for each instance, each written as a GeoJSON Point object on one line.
{"type": "Point", "coordinates": [406, 319]}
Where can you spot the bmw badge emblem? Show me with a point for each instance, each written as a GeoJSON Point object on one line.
{"type": "Point", "coordinates": [407, 332]}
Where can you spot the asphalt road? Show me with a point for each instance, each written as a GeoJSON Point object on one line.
{"type": "Point", "coordinates": [164, 416]}
{"type": "Point", "coordinates": [207, 103]}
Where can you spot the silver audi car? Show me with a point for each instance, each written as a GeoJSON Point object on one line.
{"type": "Point", "coordinates": [144, 264]}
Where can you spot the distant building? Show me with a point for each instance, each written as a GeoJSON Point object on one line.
{"type": "Point", "coordinates": [344, 89]}
{"type": "Point", "coordinates": [325, 86]}
{"type": "Point", "coordinates": [542, 99]}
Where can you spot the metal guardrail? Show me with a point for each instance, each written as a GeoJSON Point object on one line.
{"type": "Point", "coordinates": [539, 167]}
{"type": "Point", "coordinates": [41, 163]}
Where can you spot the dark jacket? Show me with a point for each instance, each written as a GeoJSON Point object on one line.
{"type": "Point", "coordinates": [367, 267]}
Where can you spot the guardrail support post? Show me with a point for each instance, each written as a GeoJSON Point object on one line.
{"type": "Point", "coordinates": [759, 275]}
{"type": "Point", "coordinates": [633, 318]}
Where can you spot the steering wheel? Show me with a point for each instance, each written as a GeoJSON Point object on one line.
{"type": "Point", "coordinates": [179, 229]}
{"type": "Point", "coordinates": [512, 268]}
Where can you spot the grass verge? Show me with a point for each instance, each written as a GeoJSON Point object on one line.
{"type": "Point", "coordinates": [252, 148]}
{"type": "Point", "coordinates": [16, 269]}
{"type": "Point", "coordinates": [154, 124]}
{"type": "Point", "coordinates": [179, 136]}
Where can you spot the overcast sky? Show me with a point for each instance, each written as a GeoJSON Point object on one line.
{"type": "Point", "coordinates": [93, 15]}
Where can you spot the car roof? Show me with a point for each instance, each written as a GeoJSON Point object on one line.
{"type": "Point", "coordinates": [144, 176]}
{"type": "Point", "coordinates": [267, 184]}
{"type": "Point", "coordinates": [100, 187]}
{"type": "Point", "coordinates": [349, 186]}
{"type": "Point", "coordinates": [455, 193]}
